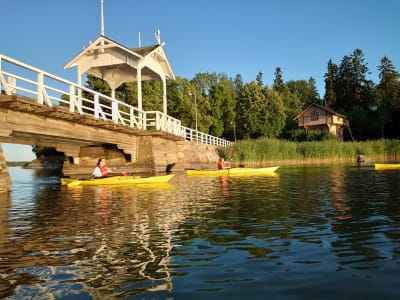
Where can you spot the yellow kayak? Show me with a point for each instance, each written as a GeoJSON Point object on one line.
{"type": "Point", "coordinates": [234, 171]}
{"type": "Point", "coordinates": [119, 180]}
{"type": "Point", "coordinates": [67, 180]}
{"type": "Point", "coordinates": [386, 166]}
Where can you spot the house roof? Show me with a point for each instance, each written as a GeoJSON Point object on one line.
{"type": "Point", "coordinates": [321, 107]}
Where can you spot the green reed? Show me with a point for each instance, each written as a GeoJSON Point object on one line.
{"type": "Point", "coordinates": [264, 149]}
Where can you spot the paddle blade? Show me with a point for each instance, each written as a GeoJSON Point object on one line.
{"type": "Point", "coordinates": [74, 183]}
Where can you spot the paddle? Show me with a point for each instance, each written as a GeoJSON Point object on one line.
{"type": "Point", "coordinates": [233, 152]}
{"type": "Point", "coordinates": [74, 183]}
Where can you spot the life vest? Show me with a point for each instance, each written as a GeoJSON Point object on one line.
{"type": "Point", "coordinates": [221, 164]}
{"type": "Point", "coordinates": [104, 170]}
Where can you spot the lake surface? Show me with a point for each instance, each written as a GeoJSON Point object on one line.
{"type": "Point", "coordinates": [310, 232]}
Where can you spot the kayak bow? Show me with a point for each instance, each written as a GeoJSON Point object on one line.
{"type": "Point", "coordinates": [386, 166]}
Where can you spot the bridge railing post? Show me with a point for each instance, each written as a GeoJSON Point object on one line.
{"type": "Point", "coordinates": [131, 117]}
{"type": "Point", "coordinates": [72, 98]}
{"type": "Point", "coordinates": [96, 106]}
{"type": "Point", "coordinates": [143, 119]}
{"type": "Point", "coordinates": [160, 122]}
{"type": "Point", "coordinates": [3, 84]}
{"type": "Point", "coordinates": [191, 135]}
{"type": "Point", "coordinates": [40, 88]}
{"type": "Point", "coordinates": [114, 110]}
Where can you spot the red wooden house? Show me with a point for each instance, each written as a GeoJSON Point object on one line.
{"type": "Point", "coordinates": [321, 119]}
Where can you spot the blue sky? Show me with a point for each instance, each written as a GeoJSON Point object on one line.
{"type": "Point", "coordinates": [224, 36]}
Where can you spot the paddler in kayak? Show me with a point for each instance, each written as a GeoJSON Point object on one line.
{"type": "Point", "coordinates": [221, 163]}
{"type": "Point", "coordinates": [101, 169]}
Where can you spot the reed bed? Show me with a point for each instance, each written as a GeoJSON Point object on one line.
{"type": "Point", "coordinates": [270, 150]}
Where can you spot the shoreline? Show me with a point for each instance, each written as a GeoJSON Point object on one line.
{"type": "Point", "coordinates": [312, 161]}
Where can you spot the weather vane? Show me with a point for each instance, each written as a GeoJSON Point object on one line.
{"type": "Point", "coordinates": [158, 36]}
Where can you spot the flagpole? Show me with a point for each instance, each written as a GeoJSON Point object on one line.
{"type": "Point", "coordinates": [102, 17]}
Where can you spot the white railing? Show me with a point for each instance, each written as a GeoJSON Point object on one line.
{"type": "Point", "coordinates": [200, 137]}
{"type": "Point", "coordinates": [22, 79]}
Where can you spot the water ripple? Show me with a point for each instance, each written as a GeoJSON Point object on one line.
{"type": "Point", "coordinates": [299, 235]}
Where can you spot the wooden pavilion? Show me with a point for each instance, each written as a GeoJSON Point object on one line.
{"type": "Point", "coordinates": [117, 64]}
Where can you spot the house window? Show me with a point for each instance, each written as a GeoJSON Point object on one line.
{"type": "Point", "coordinates": [314, 116]}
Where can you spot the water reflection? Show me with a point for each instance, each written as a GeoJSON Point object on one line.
{"type": "Point", "coordinates": [200, 237]}
{"type": "Point", "coordinates": [102, 236]}
{"type": "Point", "coordinates": [362, 230]}
{"type": "Point", "coordinates": [338, 196]}
{"type": "Point", "coordinates": [4, 207]}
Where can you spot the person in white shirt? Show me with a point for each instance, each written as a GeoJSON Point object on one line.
{"type": "Point", "coordinates": [101, 169]}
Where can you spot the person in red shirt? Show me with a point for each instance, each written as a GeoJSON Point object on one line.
{"type": "Point", "coordinates": [221, 163]}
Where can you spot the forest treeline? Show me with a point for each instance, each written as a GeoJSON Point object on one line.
{"type": "Point", "coordinates": [232, 109]}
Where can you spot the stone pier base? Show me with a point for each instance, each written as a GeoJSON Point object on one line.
{"type": "Point", "coordinates": [153, 155]}
{"type": "Point", "coordinates": [184, 155]}
{"type": "Point", "coordinates": [5, 180]}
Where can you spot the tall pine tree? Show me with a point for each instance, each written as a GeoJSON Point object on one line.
{"type": "Point", "coordinates": [387, 95]}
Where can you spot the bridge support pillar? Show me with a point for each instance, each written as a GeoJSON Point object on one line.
{"type": "Point", "coordinates": [129, 149]}
{"type": "Point", "coordinates": [70, 151]}
{"type": "Point", "coordinates": [83, 163]}
{"type": "Point", "coordinates": [5, 179]}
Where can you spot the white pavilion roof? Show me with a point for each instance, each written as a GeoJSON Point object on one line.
{"type": "Point", "coordinates": [117, 64]}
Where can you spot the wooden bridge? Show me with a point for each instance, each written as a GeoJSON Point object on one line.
{"type": "Point", "coordinates": [39, 108]}
{"type": "Point", "coordinates": [50, 94]}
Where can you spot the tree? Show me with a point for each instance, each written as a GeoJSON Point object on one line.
{"type": "Point", "coordinates": [204, 81]}
{"type": "Point", "coordinates": [259, 79]}
{"type": "Point", "coordinates": [387, 95]}
{"type": "Point", "coordinates": [352, 93]}
{"type": "Point", "coordinates": [228, 107]}
{"type": "Point", "coordinates": [248, 110]}
{"type": "Point", "coordinates": [292, 105]}
{"type": "Point", "coordinates": [238, 84]}
{"type": "Point", "coordinates": [352, 88]}
{"type": "Point", "coordinates": [217, 96]}
{"type": "Point", "coordinates": [278, 81]}
{"type": "Point", "coordinates": [305, 91]}
{"type": "Point", "coordinates": [313, 95]}
{"type": "Point", "coordinates": [260, 112]}
{"type": "Point", "coordinates": [98, 85]}
{"type": "Point", "coordinates": [275, 115]}
{"type": "Point", "coordinates": [215, 103]}
{"type": "Point", "coordinates": [180, 102]}
{"type": "Point", "coordinates": [330, 84]}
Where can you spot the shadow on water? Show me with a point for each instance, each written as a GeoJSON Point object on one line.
{"type": "Point", "coordinates": [326, 232]}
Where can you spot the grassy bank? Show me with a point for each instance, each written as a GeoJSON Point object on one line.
{"type": "Point", "coordinates": [271, 150]}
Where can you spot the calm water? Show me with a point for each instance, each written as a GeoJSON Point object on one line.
{"type": "Point", "coordinates": [313, 232]}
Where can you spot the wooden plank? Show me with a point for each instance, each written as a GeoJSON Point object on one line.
{"type": "Point", "coordinates": [7, 98]}
{"type": "Point", "coordinates": [45, 110]}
